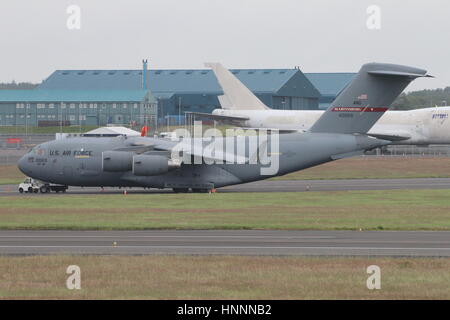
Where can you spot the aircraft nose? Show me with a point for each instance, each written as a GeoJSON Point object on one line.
{"type": "Point", "coordinates": [22, 164]}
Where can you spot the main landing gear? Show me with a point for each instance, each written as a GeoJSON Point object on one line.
{"type": "Point", "coordinates": [194, 190]}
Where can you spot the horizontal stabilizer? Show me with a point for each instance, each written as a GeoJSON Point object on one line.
{"type": "Point", "coordinates": [399, 74]}
{"type": "Point", "coordinates": [216, 117]}
{"type": "Point", "coordinates": [390, 137]}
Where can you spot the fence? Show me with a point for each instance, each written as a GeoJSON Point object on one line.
{"type": "Point", "coordinates": [22, 141]}
{"type": "Point", "coordinates": [429, 151]}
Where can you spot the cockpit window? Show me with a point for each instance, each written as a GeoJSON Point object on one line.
{"type": "Point", "coordinates": [38, 150]}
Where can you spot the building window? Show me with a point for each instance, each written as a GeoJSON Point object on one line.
{"type": "Point", "coordinates": [51, 105]}
{"type": "Point", "coordinates": [63, 105]}
{"type": "Point", "coordinates": [124, 105]}
{"type": "Point", "coordinates": [91, 105]}
{"type": "Point", "coordinates": [114, 105]}
{"type": "Point", "coordinates": [95, 106]}
{"type": "Point", "coordinates": [135, 105]}
{"type": "Point", "coordinates": [72, 106]}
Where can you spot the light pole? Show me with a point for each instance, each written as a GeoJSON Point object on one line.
{"type": "Point", "coordinates": [79, 117]}
{"type": "Point", "coordinates": [26, 122]}
{"type": "Point", "coordinates": [131, 114]}
{"type": "Point", "coordinates": [60, 117]}
{"type": "Point", "coordinates": [179, 109]}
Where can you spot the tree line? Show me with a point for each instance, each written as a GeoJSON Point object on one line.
{"type": "Point", "coordinates": [422, 99]}
{"type": "Point", "coordinates": [18, 86]}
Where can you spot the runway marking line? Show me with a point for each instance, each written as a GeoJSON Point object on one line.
{"type": "Point", "coordinates": [228, 247]}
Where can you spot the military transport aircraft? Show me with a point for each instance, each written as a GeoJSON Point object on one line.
{"type": "Point", "coordinates": [187, 164]}
{"type": "Point", "coordinates": [242, 108]}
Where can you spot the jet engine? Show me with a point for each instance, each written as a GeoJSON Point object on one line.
{"type": "Point", "coordinates": [117, 161]}
{"type": "Point", "coordinates": [153, 165]}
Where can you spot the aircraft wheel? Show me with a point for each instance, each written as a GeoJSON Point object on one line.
{"type": "Point", "coordinates": [44, 189]}
{"type": "Point", "coordinates": [30, 190]}
{"type": "Point", "coordinates": [21, 190]}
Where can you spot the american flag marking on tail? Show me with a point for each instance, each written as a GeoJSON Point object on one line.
{"type": "Point", "coordinates": [363, 97]}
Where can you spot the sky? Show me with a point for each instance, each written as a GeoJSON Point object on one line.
{"type": "Point", "coordinates": [316, 35]}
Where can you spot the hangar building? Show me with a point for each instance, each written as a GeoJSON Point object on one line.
{"type": "Point", "coordinates": [178, 91]}
{"type": "Point", "coordinates": [329, 85]}
{"type": "Point", "coordinates": [75, 107]}
{"type": "Point", "coordinates": [100, 97]}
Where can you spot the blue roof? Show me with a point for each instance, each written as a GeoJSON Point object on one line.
{"type": "Point", "coordinates": [165, 81]}
{"type": "Point", "coordinates": [330, 84]}
{"type": "Point", "coordinates": [73, 95]}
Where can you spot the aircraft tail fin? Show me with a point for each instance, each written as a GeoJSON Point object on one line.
{"type": "Point", "coordinates": [236, 95]}
{"type": "Point", "coordinates": [359, 106]}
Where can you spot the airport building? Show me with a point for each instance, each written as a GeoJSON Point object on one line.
{"type": "Point", "coordinates": [329, 85]}
{"type": "Point", "coordinates": [76, 107]}
{"type": "Point", "coordinates": [178, 91]}
{"type": "Point", "coordinates": [101, 97]}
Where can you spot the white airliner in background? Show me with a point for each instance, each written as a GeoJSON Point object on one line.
{"type": "Point", "coordinates": [242, 108]}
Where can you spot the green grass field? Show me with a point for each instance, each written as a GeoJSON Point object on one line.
{"type": "Point", "coordinates": [353, 210]}
{"type": "Point", "coordinates": [10, 175]}
{"type": "Point", "coordinates": [223, 277]}
{"type": "Point", "coordinates": [376, 168]}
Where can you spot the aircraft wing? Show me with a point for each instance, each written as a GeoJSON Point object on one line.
{"type": "Point", "coordinates": [280, 131]}
{"type": "Point", "coordinates": [184, 146]}
{"type": "Point", "coordinates": [216, 117]}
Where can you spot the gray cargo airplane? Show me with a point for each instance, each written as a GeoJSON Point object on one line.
{"type": "Point", "coordinates": [240, 107]}
{"type": "Point", "coordinates": [158, 163]}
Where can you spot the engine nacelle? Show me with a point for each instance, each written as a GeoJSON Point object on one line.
{"type": "Point", "coordinates": [152, 165]}
{"type": "Point", "coordinates": [117, 161]}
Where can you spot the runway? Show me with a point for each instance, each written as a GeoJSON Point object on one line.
{"type": "Point", "coordinates": [219, 242]}
{"type": "Point", "coordinates": [280, 186]}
